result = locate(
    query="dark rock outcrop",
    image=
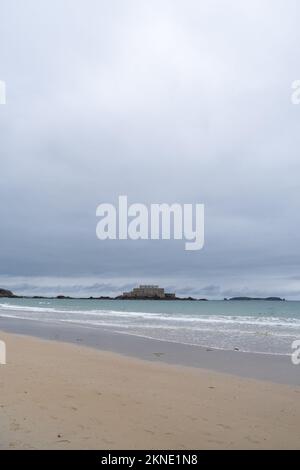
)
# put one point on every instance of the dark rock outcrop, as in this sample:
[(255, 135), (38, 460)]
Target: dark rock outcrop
[(277, 299), (6, 293), (165, 299)]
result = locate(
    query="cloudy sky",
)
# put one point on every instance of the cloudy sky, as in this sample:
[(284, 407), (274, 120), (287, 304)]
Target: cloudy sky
[(164, 101)]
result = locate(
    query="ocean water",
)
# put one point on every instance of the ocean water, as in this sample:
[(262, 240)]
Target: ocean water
[(253, 326)]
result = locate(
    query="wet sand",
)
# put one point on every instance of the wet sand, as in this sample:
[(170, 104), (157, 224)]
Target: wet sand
[(278, 369)]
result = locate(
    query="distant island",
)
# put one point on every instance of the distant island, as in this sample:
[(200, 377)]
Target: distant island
[(6, 293), (143, 292), (272, 299), (152, 292)]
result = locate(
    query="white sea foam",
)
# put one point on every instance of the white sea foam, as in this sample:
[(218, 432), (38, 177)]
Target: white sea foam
[(167, 317), (218, 325)]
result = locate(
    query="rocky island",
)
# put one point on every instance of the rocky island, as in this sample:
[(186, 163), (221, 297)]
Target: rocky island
[(143, 292), (272, 299), (6, 293)]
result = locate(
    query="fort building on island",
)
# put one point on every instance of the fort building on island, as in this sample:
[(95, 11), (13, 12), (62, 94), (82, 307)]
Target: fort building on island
[(148, 292)]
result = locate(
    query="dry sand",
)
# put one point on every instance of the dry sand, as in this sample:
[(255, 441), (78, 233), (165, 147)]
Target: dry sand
[(61, 396)]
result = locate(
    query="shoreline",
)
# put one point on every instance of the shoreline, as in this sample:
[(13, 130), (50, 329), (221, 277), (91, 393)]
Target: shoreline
[(167, 297), (268, 367), (57, 395)]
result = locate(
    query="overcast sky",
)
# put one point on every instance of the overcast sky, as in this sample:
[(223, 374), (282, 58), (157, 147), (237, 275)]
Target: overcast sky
[(164, 101)]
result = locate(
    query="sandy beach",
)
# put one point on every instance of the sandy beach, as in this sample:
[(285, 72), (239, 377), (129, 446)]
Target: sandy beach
[(62, 396)]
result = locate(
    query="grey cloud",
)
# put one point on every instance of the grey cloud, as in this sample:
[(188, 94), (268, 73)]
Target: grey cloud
[(165, 102)]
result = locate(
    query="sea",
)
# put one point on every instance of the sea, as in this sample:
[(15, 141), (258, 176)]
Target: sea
[(268, 327)]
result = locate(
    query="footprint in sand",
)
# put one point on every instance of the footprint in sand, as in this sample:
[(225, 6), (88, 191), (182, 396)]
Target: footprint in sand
[(158, 354)]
